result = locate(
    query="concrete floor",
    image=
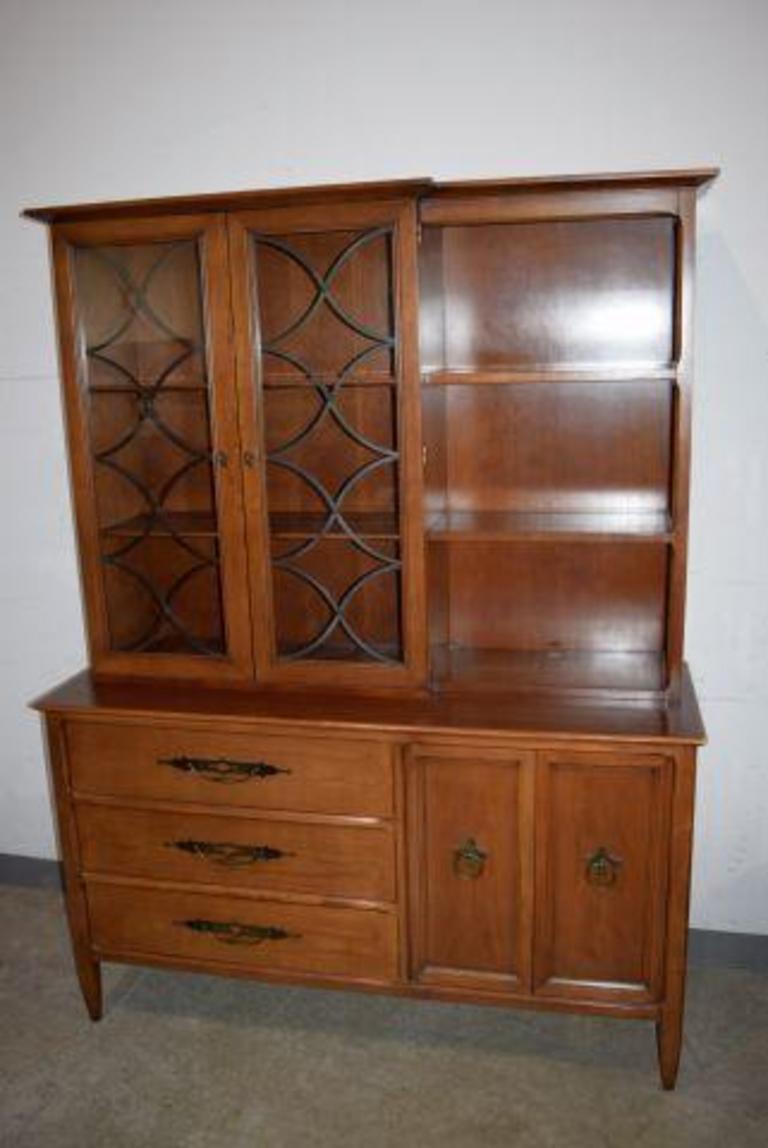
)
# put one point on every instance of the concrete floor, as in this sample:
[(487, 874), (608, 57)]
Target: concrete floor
[(183, 1061)]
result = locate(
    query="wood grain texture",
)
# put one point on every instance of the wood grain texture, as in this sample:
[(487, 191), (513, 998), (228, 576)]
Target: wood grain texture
[(504, 815), (470, 927), (335, 941), (601, 939), (321, 776), (210, 234), (240, 200), (285, 855), (476, 714), (670, 1026), (287, 614), (595, 291), (87, 965)]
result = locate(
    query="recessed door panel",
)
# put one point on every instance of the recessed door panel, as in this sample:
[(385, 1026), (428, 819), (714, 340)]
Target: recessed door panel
[(470, 854), (602, 825)]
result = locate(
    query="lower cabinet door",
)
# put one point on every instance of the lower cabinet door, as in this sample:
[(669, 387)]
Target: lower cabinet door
[(470, 860), (602, 829)]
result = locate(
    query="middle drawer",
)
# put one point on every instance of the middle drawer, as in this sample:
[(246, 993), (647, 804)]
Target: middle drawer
[(266, 853)]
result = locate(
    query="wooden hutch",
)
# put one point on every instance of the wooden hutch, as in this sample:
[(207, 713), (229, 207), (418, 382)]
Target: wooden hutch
[(382, 504)]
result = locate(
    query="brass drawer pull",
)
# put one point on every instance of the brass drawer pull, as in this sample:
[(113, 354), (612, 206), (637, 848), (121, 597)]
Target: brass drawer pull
[(469, 860), (222, 768), (602, 868), (227, 853), (235, 933)]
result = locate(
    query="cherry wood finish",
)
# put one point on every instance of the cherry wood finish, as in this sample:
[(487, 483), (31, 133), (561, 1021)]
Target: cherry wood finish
[(86, 964), (88, 433), (489, 797), (602, 830), (559, 292), (471, 850), (518, 715), (242, 200), (317, 938), (384, 407), (282, 855), (183, 765)]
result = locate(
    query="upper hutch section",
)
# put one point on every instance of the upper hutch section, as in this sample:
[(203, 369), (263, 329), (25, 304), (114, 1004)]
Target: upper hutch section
[(384, 434)]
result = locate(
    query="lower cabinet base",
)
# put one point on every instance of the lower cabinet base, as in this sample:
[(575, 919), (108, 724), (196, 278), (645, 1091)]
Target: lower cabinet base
[(525, 871)]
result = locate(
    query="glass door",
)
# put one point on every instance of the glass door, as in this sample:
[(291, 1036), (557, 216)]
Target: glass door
[(328, 375), (150, 386)]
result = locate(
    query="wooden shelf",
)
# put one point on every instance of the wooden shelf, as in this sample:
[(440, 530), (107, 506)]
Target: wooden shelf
[(633, 673), (288, 524), (540, 526), (148, 385), (175, 644), (189, 523), (272, 381), (551, 373), (346, 653), (369, 524)]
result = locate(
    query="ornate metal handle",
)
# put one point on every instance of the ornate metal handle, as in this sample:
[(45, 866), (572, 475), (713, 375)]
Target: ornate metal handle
[(602, 868), (230, 854), (235, 933), (222, 768), (469, 860)]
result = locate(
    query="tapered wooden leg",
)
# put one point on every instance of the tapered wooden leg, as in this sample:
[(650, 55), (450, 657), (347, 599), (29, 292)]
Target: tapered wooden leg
[(88, 968), (669, 1042), (89, 976), (669, 1030)]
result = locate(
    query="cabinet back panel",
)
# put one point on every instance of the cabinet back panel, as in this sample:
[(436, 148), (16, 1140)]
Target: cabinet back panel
[(552, 596), (560, 292), (288, 269), (559, 446), (299, 432), (157, 569), (332, 567)]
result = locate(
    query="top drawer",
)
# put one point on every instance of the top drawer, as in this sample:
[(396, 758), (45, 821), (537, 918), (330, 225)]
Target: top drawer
[(223, 768)]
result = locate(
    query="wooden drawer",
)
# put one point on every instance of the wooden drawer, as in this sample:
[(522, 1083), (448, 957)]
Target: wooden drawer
[(254, 933), (333, 860), (222, 768)]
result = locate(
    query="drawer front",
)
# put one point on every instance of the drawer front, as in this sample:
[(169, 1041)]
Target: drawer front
[(257, 934), (602, 858), (343, 861), (223, 768), (470, 854)]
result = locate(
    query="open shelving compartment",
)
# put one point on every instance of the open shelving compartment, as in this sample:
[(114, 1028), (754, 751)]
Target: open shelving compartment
[(550, 359)]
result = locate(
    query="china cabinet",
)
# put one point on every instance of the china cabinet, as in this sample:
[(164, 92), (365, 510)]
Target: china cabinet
[(381, 495)]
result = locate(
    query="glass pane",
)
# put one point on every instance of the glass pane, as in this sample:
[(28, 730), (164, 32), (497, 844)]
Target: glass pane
[(143, 346), (328, 371)]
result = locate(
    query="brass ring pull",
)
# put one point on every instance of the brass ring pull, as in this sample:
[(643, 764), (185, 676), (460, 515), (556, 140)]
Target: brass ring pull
[(602, 868), (229, 854), (469, 860), (235, 933), (222, 768)]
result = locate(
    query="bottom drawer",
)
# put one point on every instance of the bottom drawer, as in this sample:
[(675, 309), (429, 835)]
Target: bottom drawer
[(318, 939)]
